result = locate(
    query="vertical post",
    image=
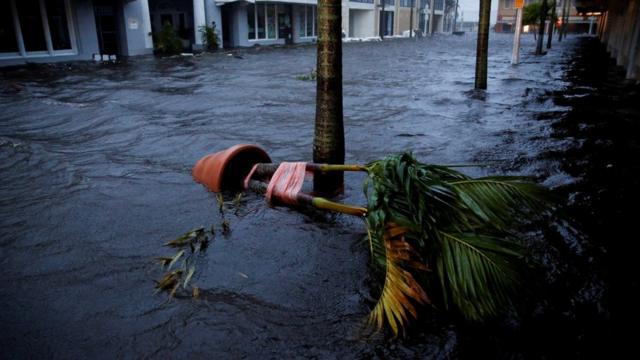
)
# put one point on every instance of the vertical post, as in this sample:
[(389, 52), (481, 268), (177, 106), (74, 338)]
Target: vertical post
[(565, 20), (455, 16), (146, 24), (411, 21), (482, 48), (328, 142), (432, 13), (543, 18), (198, 20), (634, 49), (564, 13), (383, 20), (515, 55), (590, 25), (551, 23)]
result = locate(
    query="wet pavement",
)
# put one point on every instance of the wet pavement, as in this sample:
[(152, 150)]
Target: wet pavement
[(95, 161)]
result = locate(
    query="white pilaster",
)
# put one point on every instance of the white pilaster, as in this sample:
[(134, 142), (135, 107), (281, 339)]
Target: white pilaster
[(199, 19), (146, 24)]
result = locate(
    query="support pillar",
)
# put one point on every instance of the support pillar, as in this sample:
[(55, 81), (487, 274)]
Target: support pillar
[(146, 24), (199, 19), (515, 55)]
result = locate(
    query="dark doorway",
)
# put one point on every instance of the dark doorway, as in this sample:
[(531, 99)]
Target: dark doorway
[(227, 15), (107, 27), (386, 22), (284, 23)]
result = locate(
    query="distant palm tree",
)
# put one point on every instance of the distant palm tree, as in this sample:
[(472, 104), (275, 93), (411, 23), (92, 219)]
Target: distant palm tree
[(328, 144), (482, 48)]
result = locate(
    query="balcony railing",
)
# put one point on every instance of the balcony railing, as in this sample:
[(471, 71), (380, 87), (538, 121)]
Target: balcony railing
[(363, 1)]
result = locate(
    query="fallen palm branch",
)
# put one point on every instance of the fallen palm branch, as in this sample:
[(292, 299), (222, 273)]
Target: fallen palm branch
[(438, 236)]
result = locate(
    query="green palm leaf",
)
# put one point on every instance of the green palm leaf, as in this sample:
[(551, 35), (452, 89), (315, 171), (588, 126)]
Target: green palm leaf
[(458, 224)]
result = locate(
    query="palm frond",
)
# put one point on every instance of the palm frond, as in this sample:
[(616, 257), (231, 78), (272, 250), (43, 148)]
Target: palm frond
[(459, 224), (400, 290), (497, 200), (477, 273)]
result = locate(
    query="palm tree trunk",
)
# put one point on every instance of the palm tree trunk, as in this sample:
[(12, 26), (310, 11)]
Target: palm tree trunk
[(328, 143), (543, 18), (482, 48)]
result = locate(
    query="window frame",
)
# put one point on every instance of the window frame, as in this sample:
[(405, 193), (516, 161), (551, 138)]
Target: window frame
[(305, 16), (23, 53), (266, 22)]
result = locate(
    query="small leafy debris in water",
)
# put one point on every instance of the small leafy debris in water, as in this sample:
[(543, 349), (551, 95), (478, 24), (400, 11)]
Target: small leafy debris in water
[(186, 238), (164, 261), (175, 258), (192, 269), (243, 275), (313, 75), (220, 201), (195, 292), (226, 227), (237, 199), (197, 241), (169, 280)]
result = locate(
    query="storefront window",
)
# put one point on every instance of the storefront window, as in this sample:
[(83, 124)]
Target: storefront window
[(260, 16), (31, 24), (58, 26), (271, 21), (251, 20), (8, 41), (35, 28), (308, 21), (265, 19)]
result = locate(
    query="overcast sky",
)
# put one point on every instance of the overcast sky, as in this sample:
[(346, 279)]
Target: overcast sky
[(470, 9)]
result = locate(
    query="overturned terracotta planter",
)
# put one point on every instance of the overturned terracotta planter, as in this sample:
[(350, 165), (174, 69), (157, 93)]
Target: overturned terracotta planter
[(227, 169)]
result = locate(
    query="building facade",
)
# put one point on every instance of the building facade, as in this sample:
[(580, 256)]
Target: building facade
[(507, 16), (66, 30)]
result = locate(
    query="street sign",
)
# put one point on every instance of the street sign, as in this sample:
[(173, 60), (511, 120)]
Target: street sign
[(519, 4)]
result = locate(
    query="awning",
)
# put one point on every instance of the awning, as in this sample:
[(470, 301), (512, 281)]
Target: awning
[(222, 2)]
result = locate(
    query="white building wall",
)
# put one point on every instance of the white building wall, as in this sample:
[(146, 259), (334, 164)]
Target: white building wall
[(361, 23)]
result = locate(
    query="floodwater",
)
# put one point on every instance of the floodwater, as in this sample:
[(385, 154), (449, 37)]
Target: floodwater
[(95, 162)]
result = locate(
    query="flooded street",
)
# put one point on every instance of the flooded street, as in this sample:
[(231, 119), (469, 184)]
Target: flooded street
[(96, 159)]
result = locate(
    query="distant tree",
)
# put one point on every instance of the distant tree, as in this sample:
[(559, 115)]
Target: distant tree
[(532, 13)]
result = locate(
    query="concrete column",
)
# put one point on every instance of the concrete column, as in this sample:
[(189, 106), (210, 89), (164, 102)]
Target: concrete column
[(431, 17), (515, 54), (345, 18), (396, 18), (632, 67), (146, 24), (213, 14), (199, 19)]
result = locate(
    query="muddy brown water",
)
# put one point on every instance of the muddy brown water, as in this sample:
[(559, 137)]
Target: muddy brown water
[(95, 162)]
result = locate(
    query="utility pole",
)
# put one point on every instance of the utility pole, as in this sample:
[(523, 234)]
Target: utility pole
[(482, 48), (551, 23), (328, 142), (543, 18), (515, 54)]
